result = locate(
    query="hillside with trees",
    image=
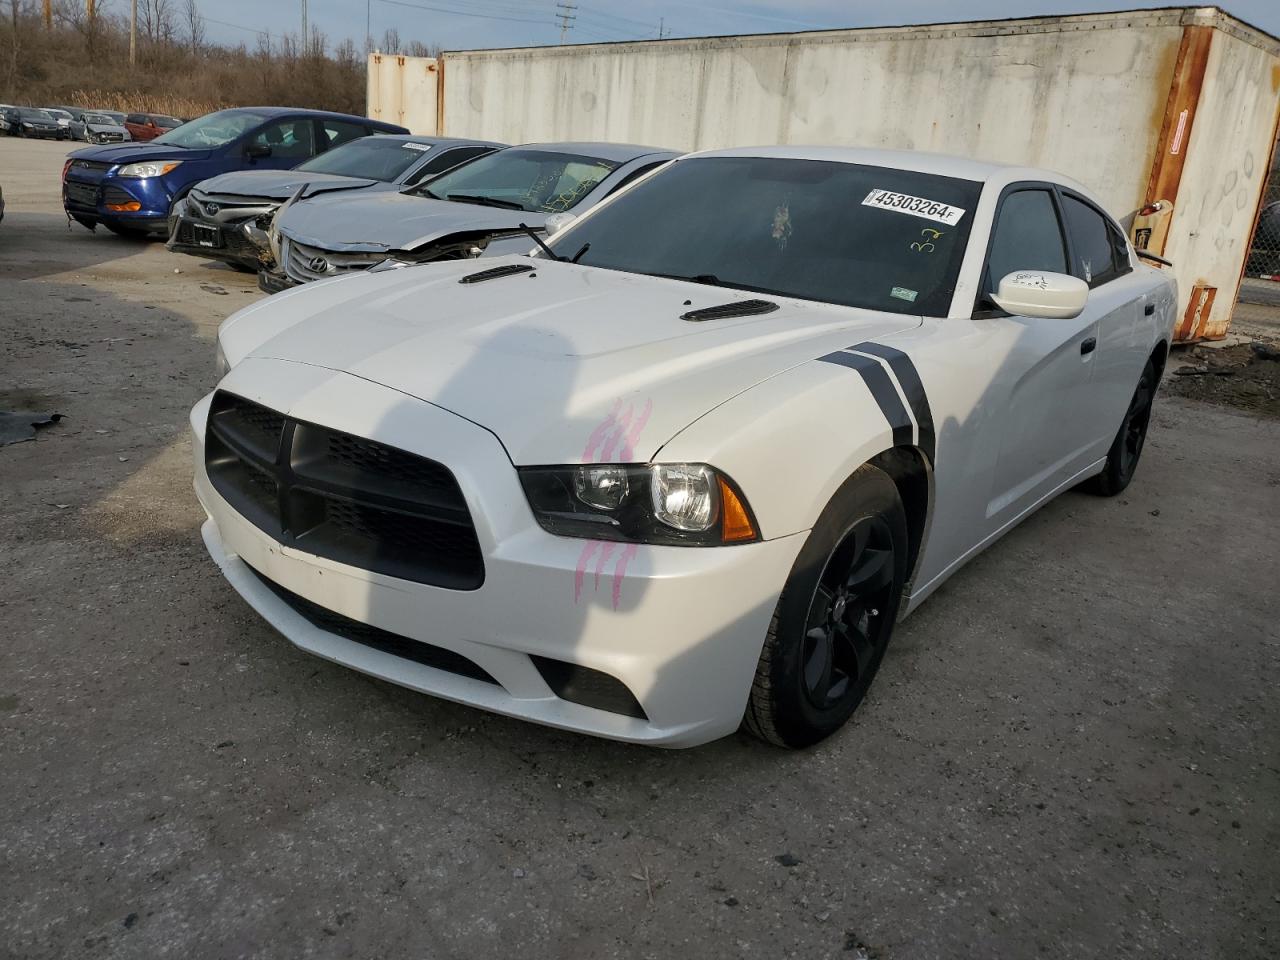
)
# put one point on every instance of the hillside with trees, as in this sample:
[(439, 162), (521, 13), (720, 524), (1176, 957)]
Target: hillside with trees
[(81, 57)]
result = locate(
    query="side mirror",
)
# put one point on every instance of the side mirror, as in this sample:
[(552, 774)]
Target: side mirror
[(558, 221), (255, 150), (1039, 293)]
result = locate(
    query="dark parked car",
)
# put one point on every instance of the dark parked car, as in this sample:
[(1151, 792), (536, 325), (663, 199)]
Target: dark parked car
[(32, 122), (147, 126), (132, 188), (474, 209), (226, 218)]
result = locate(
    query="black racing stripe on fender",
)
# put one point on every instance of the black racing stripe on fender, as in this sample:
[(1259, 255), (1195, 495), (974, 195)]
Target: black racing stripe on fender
[(912, 388), (882, 391)]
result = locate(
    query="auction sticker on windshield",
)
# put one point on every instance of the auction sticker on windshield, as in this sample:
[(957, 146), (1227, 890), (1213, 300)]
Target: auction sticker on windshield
[(916, 206)]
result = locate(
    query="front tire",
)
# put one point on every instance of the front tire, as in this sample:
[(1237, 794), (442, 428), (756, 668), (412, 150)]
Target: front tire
[(1126, 448), (833, 622)]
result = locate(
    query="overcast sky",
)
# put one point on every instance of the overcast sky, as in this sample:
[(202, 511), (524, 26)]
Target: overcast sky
[(467, 24)]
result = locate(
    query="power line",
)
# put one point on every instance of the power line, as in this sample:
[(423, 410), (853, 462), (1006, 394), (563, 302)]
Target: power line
[(459, 13)]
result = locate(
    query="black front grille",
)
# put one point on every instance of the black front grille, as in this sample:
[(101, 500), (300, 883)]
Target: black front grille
[(342, 497), (89, 165), (82, 194), (375, 637)]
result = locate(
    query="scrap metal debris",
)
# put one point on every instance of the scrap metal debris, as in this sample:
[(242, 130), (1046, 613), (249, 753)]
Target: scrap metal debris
[(19, 425)]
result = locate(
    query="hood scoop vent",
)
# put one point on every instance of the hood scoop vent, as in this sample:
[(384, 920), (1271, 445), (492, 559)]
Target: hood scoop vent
[(493, 273), (725, 311)]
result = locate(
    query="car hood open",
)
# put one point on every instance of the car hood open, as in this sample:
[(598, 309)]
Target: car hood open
[(548, 360), (388, 221), (279, 184)]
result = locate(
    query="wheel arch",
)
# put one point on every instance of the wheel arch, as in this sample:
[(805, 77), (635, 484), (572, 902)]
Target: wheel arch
[(912, 473)]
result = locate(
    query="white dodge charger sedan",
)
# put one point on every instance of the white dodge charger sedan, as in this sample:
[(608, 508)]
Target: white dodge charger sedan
[(684, 469)]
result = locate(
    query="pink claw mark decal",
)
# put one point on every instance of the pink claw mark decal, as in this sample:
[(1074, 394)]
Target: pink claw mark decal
[(620, 571), (605, 553), (601, 431), (633, 432), (617, 433), (580, 573)]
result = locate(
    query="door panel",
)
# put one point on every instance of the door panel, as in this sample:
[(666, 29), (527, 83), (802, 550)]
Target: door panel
[(1044, 436)]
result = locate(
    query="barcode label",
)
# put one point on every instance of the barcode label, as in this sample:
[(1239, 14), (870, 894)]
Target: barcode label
[(916, 206)]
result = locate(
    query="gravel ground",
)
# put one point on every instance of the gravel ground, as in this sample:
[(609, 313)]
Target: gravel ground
[(1071, 750)]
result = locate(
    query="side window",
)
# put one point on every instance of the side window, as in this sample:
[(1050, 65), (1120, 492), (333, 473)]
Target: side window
[(1027, 236), (447, 160), (1093, 242), (635, 174), (291, 139), (334, 133), (135, 118)]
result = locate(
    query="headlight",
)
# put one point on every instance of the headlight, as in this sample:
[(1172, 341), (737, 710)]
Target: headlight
[(220, 365), (152, 168), (684, 504)]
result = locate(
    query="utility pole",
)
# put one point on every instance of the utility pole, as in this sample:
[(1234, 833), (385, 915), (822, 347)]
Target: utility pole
[(48, 14), (567, 15), (662, 32), (133, 33), (89, 9), (305, 35)]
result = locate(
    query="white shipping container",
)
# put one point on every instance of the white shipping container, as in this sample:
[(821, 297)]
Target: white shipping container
[(1179, 105)]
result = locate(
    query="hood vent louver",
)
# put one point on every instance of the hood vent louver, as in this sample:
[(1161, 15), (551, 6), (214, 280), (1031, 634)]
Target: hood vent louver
[(724, 311), (493, 273)]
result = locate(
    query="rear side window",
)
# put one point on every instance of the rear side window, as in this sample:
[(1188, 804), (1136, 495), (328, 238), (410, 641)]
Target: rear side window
[(447, 160), (135, 118), (1027, 237), (1099, 255), (335, 132)]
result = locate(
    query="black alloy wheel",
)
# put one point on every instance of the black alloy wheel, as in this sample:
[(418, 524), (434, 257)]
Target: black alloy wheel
[(1126, 448), (846, 631), (835, 616)]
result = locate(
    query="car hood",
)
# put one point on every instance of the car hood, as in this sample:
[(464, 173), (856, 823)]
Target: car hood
[(106, 128), (393, 221), (138, 152), (279, 184), (553, 363)]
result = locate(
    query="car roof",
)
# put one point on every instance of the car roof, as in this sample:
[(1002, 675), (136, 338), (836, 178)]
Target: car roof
[(438, 141), (917, 161), (618, 152), (305, 112)]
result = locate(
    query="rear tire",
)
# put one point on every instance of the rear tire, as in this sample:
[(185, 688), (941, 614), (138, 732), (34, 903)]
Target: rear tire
[(833, 622), (1126, 448)]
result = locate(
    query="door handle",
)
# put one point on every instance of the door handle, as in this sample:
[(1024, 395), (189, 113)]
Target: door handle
[(1149, 309), (1087, 345)]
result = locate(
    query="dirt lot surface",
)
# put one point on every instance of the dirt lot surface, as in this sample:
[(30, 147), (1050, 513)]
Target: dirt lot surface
[(1071, 751), (1246, 376)]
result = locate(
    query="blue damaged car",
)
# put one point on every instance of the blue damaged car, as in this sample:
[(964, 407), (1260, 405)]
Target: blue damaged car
[(131, 188)]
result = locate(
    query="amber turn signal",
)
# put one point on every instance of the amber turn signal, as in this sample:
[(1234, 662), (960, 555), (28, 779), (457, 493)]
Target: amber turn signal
[(735, 522), (131, 207)]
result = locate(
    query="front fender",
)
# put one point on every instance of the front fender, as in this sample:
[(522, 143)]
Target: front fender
[(789, 442)]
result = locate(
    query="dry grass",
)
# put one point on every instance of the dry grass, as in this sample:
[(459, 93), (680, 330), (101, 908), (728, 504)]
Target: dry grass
[(173, 106)]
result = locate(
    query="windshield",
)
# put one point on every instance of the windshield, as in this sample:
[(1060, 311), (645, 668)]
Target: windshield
[(59, 114), (167, 121), (116, 118), (538, 181), (100, 118), (211, 130), (860, 236), (28, 114), (378, 158)]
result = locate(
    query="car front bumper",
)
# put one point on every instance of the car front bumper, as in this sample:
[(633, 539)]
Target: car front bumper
[(681, 628), (227, 242)]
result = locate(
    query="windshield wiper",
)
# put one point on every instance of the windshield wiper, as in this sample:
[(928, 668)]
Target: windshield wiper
[(708, 278), (484, 201), (539, 241)]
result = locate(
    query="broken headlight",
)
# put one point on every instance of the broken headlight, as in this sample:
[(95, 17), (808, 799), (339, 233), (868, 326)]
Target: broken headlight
[(681, 504)]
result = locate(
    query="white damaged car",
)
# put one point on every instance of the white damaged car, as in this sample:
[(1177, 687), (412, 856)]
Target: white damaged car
[(684, 470)]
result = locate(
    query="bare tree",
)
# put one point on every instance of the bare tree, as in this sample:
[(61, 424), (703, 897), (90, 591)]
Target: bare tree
[(195, 25), (156, 17), (391, 41)]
